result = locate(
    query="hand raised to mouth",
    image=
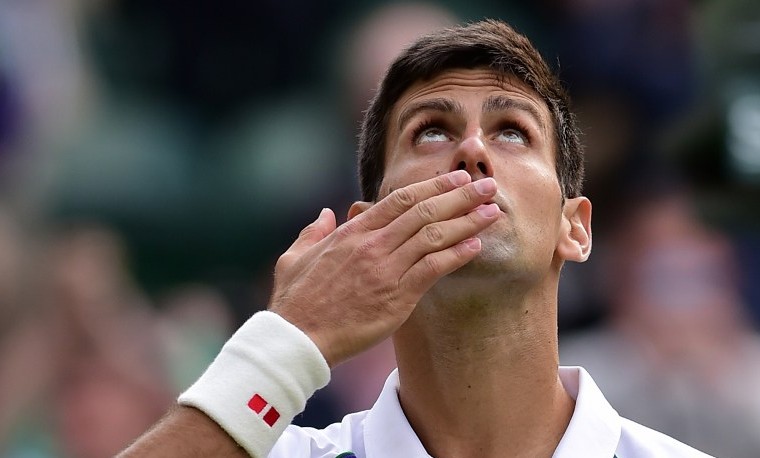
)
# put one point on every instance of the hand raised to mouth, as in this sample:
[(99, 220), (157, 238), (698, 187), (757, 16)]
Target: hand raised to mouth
[(351, 286)]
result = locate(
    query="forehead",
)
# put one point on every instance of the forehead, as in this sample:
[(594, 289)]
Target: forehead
[(472, 84)]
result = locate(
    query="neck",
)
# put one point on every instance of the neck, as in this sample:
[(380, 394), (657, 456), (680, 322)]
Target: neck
[(480, 377)]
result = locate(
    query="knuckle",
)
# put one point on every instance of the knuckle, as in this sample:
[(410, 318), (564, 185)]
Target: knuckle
[(433, 234), (345, 231), (426, 210), (404, 198), (385, 283), (372, 247), (441, 185), (389, 297), (433, 264), (469, 194), (367, 246), (474, 219)]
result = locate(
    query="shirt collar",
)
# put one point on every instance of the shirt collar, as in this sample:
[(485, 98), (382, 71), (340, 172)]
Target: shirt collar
[(387, 432), (594, 429)]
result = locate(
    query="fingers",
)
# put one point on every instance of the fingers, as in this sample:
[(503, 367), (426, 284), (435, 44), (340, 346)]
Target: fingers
[(428, 270), (314, 232), (428, 214), (441, 235), (401, 200)]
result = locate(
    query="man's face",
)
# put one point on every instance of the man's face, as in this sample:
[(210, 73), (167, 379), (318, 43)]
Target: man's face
[(468, 119)]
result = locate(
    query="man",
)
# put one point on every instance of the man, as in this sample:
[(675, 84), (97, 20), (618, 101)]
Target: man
[(471, 171)]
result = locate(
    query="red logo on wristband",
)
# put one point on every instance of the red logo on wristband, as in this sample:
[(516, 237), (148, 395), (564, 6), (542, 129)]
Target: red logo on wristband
[(259, 405)]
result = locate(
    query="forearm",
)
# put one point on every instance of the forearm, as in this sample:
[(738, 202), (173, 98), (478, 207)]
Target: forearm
[(184, 432)]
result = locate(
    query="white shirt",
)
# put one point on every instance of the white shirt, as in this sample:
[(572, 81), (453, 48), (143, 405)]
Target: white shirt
[(595, 430)]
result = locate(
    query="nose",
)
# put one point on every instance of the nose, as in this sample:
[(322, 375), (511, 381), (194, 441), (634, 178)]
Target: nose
[(472, 155)]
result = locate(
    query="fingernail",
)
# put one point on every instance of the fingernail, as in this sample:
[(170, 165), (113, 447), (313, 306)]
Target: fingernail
[(459, 178), (472, 244), (322, 213), (485, 186), (488, 210)]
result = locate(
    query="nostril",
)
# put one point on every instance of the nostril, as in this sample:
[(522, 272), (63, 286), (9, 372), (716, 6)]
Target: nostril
[(462, 166), (482, 168)]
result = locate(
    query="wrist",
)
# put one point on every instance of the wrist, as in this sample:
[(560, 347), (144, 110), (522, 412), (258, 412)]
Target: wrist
[(260, 380), (311, 328)]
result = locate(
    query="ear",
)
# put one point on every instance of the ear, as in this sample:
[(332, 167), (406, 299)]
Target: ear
[(575, 240), (357, 208)]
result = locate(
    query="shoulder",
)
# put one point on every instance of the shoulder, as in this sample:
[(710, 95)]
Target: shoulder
[(304, 442), (639, 441)]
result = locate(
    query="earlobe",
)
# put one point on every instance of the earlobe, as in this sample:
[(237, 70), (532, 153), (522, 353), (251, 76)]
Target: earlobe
[(357, 208), (575, 240)]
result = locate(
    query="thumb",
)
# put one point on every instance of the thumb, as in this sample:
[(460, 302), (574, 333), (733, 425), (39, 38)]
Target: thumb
[(316, 231)]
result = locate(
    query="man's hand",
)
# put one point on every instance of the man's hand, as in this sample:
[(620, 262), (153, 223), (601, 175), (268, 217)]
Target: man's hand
[(350, 287)]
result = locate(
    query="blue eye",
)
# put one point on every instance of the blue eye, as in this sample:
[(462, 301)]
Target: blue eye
[(432, 135), (511, 136)]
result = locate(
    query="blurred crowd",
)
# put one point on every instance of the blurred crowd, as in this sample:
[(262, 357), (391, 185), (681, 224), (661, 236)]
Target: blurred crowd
[(157, 156)]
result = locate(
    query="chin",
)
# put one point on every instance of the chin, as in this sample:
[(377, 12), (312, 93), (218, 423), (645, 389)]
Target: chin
[(490, 261), (498, 260), (499, 250)]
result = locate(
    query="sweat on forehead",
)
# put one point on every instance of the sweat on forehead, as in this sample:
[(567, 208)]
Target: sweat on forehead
[(488, 44)]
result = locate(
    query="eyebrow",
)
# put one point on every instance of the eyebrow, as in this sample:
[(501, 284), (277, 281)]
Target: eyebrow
[(492, 104), (438, 104), (502, 103)]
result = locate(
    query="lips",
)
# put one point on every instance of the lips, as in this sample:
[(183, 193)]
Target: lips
[(499, 200)]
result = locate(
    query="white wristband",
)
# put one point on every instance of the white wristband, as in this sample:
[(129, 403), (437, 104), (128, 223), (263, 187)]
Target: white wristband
[(260, 381)]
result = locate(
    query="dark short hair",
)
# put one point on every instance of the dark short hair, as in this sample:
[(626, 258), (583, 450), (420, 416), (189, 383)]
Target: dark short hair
[(488, 43)]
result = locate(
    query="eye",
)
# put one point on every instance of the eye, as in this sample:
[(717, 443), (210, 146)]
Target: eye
[(511, 136), (431, 135)]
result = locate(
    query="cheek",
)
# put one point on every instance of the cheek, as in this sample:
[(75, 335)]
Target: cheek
[(538, 197), (541, 179)]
